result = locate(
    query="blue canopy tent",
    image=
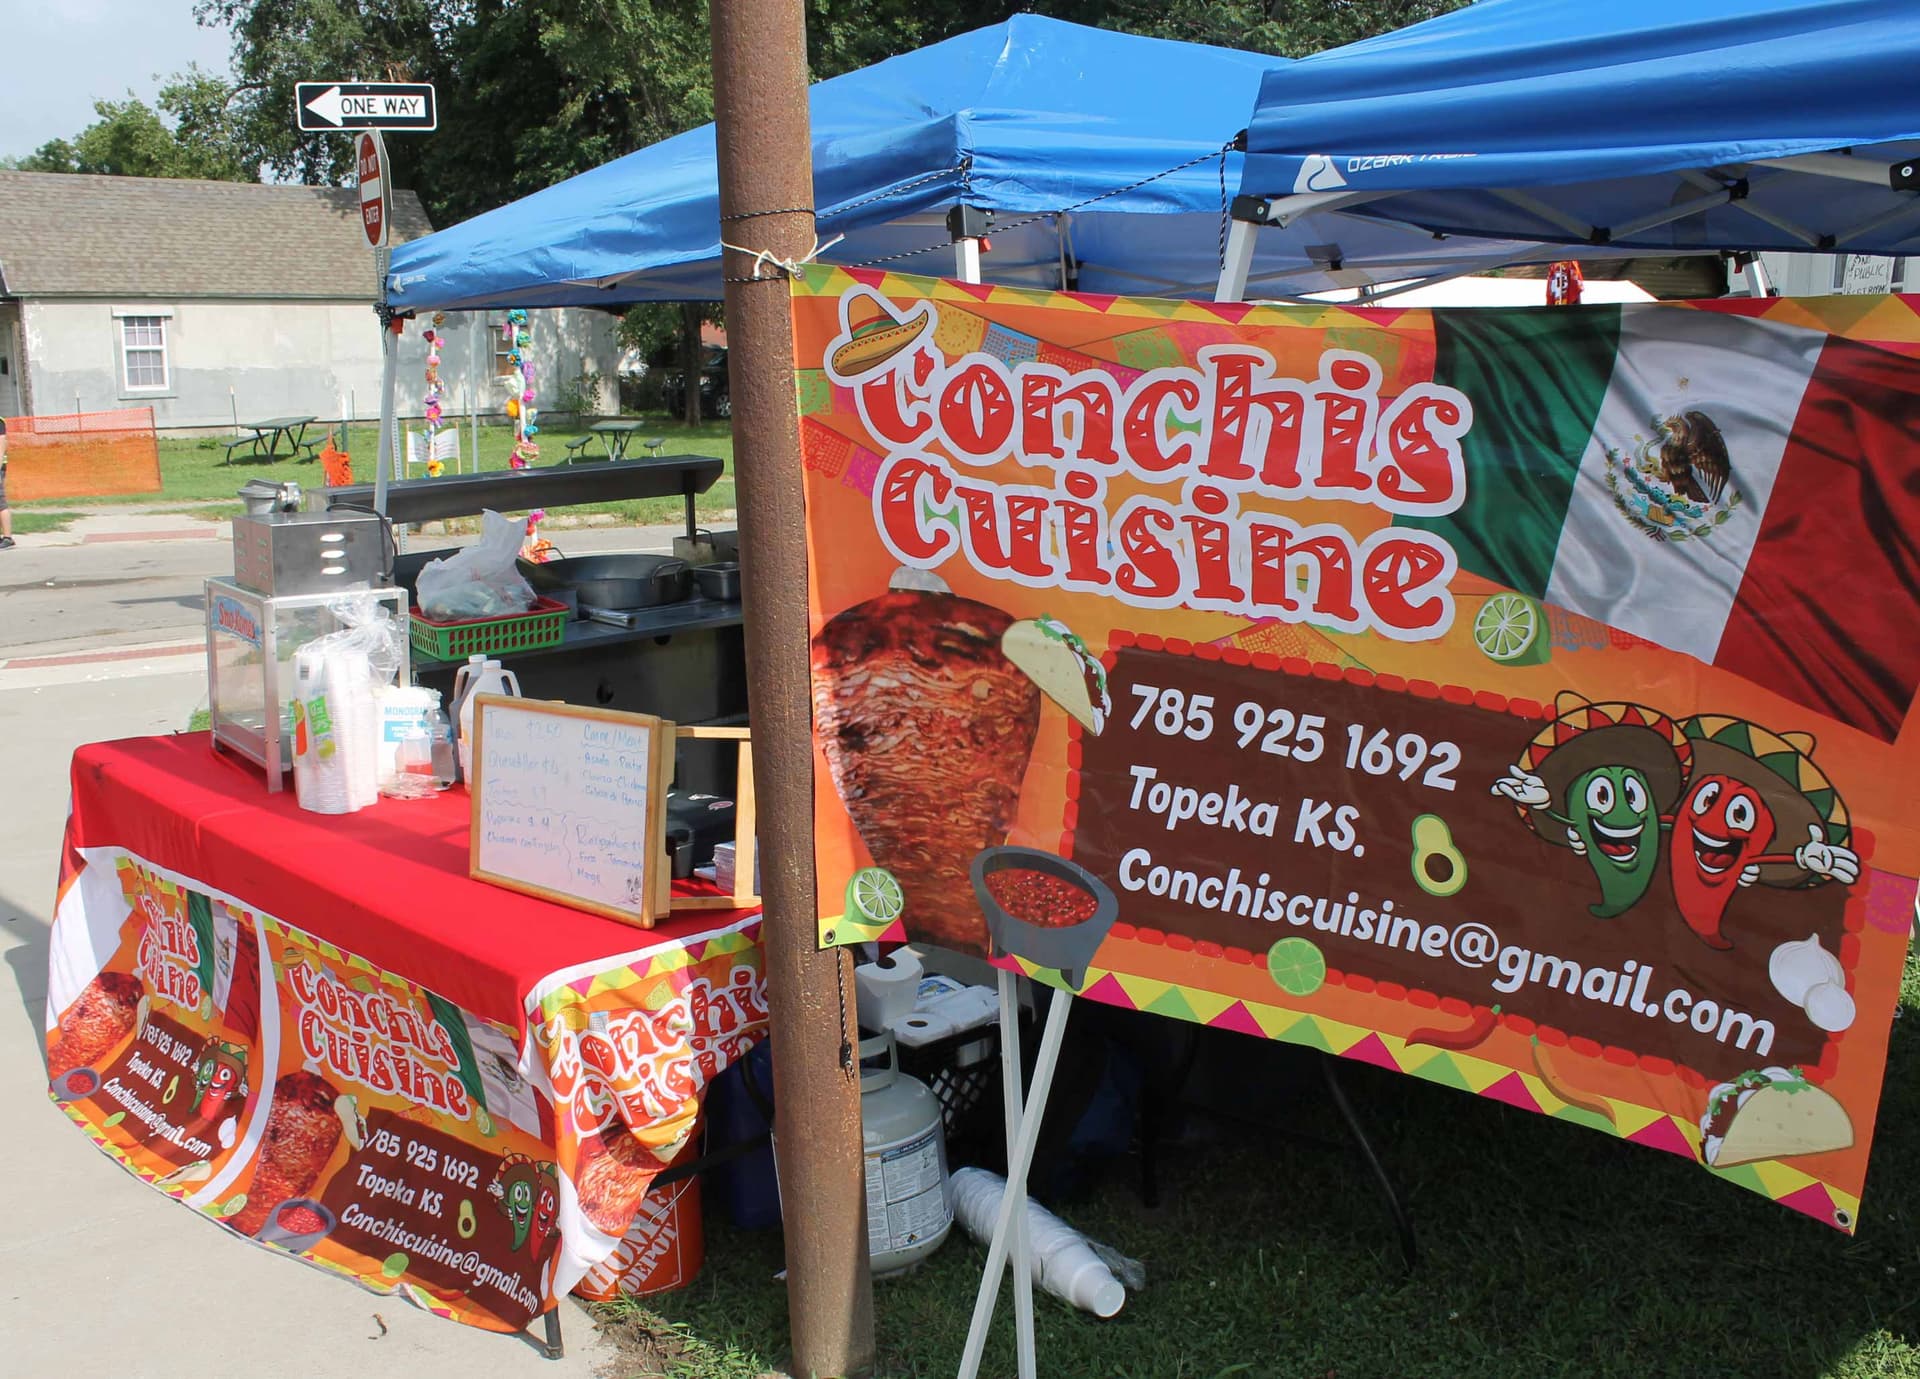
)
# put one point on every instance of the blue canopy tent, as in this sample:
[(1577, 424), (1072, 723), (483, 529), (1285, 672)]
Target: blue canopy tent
[(1028, 120), (1640, 124)]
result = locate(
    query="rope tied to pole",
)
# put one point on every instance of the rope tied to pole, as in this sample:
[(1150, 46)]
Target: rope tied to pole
[(775, 266)]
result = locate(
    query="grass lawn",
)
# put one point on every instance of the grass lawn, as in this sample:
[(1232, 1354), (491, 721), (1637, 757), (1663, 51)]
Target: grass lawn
[(1548, 1250), (191, 470), (37, 519)]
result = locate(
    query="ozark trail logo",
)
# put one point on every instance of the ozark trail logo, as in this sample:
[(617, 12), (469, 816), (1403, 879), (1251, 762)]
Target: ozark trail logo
[(1677, 484)]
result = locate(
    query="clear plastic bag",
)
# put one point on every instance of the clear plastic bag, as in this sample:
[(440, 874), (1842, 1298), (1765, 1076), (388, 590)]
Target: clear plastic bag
[(482, 580)]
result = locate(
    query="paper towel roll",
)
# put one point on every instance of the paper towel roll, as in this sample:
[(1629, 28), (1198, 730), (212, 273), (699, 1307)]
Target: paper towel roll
[(885, 990)]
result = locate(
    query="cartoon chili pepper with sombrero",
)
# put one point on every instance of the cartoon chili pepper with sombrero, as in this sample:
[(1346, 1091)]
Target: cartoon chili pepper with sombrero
[(219, 1074), (1750, 794), (527, 1192), (1608, 775)]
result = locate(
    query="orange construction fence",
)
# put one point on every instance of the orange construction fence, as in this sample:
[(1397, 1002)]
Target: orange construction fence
[(82, 455)]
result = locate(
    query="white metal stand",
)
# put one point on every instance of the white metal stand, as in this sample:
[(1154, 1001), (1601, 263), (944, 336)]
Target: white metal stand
[(1021, 1249), (1023, 1129)]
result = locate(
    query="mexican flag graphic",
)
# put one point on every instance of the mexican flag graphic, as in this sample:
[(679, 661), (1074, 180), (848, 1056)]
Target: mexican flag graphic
[(1739, 490)]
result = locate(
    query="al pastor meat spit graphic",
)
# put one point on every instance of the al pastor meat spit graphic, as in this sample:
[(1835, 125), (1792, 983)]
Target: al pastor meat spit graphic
[(927, 728), (928, 705)]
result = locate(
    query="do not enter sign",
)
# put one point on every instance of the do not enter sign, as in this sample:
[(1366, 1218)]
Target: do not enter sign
[(372, 166)]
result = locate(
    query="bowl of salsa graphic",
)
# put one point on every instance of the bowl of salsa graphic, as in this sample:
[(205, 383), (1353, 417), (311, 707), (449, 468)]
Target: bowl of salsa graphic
[(1043, 909), (297, 1224)]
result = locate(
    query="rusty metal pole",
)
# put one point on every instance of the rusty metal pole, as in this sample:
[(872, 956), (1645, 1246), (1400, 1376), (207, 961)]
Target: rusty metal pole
[(766, 202)]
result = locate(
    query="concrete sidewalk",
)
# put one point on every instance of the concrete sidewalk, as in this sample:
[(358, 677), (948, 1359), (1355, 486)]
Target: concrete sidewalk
[(100, 1274)]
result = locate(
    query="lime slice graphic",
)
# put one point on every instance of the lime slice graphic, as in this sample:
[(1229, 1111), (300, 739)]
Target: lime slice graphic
[(1297, 966), (395, 1265), (235, 1204), (1508, 628), (874, 896)]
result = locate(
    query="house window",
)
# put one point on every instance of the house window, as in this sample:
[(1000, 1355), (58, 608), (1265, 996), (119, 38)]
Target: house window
[(502, 346), (143, 352)]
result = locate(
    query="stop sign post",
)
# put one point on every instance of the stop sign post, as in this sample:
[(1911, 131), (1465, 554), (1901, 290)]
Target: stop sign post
[(372, 166)]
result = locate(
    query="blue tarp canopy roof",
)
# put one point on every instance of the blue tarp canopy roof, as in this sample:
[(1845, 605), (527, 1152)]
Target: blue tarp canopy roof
[(1028, 117), (1665, 125)]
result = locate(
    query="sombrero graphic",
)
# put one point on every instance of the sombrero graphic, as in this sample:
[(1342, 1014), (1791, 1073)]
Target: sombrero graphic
[(874, 335), (1780, 767), (1584, 735)]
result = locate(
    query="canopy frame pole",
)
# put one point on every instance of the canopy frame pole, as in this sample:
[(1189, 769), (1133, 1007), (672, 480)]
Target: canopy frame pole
[(1667, 216), (1465, 270), (1878, 222), (966, 263), (389, 382), (1757, 284), (1232, 286), (966, 259), (1282, 211), (1766, 217), (1533, 205), (1847, 167), (476, 322)]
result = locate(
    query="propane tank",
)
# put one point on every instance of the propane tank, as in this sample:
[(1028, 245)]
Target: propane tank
[(909, 1202)]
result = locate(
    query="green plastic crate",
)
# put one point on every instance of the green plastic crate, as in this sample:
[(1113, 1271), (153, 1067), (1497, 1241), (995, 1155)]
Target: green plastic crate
[(541, 626)]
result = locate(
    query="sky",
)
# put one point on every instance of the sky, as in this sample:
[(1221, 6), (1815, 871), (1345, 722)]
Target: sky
[(63, 55)]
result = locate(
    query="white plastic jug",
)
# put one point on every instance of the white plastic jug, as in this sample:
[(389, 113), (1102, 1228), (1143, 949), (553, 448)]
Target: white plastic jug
[(480, 675)]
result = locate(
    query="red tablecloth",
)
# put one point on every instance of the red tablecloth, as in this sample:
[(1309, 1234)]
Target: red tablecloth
[(388, 883)]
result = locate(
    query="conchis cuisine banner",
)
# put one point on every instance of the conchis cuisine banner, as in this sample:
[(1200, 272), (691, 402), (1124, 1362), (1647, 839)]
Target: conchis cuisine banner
[(313, 1103), (1519, 699)]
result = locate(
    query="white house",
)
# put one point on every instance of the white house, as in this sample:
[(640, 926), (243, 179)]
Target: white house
[(211, 300)]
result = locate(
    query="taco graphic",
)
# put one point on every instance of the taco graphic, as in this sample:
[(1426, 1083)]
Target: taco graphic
[(1756, 810), (1061, 665), (1771, 1113), (1603, 779)]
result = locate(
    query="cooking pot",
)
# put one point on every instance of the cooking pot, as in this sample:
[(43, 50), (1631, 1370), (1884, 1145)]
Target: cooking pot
[(617, 579)]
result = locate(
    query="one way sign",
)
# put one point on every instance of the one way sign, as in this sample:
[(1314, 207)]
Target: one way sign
[(329, 106)]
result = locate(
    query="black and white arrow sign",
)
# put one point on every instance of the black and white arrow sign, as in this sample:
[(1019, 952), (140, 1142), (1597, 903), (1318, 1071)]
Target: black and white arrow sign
[(329, 106)]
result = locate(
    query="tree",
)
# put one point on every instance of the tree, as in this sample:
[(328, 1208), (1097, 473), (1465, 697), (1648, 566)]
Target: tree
[(190, 135), (535, 91)]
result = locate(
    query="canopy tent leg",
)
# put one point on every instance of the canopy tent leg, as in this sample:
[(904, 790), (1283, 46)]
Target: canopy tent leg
[(1239, 262), (476, 320), (966, 259), (1757, 284), (966, 264), (1018, 1163), (389, 381)]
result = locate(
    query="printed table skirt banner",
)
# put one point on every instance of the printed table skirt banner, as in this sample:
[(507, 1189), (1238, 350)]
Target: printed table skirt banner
[(1517, 699), (309, 1101)]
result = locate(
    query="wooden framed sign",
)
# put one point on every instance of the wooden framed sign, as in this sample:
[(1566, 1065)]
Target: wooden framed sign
[(569, 804), (745, 820)]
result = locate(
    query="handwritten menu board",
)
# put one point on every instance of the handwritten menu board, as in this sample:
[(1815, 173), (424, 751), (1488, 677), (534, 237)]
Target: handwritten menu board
[(569, 803)]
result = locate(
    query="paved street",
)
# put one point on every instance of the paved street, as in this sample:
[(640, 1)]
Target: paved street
[(84, 1229)]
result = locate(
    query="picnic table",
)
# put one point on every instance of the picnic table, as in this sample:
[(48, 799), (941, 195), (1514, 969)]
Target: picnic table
[(263, 438), (615, 437)]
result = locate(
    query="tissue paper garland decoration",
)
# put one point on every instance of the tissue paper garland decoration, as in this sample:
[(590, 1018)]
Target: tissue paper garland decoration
[(515, 335), (433, 400)]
